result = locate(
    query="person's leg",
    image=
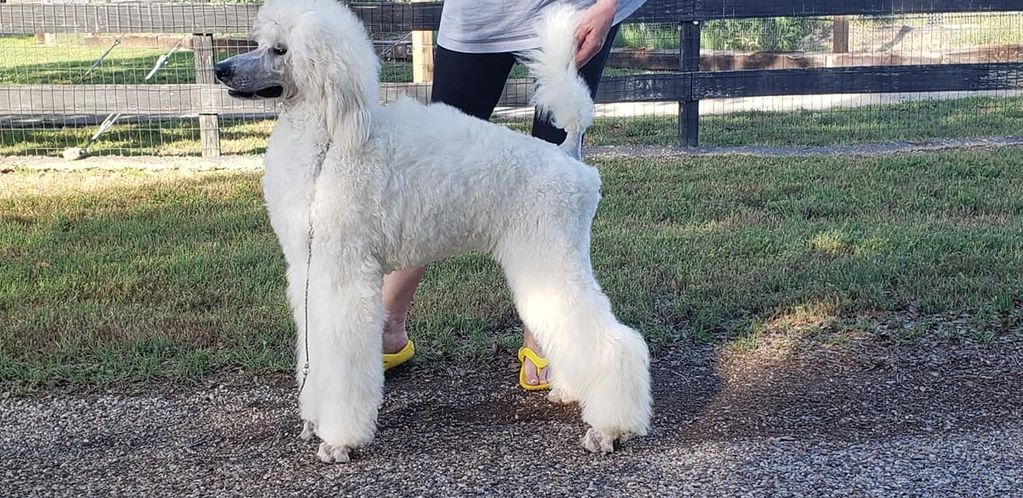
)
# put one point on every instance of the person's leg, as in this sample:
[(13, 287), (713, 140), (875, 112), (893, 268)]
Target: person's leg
[(591, 73), (544, 130), (473, 84), (399, 286)]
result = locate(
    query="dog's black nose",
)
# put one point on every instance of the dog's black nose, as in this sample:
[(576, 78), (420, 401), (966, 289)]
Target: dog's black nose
[(222, 71)]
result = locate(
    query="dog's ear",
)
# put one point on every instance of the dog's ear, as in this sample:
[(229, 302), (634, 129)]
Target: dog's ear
[(336, 68)]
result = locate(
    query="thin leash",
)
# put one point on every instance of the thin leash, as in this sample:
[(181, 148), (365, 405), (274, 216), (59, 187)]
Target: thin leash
[(308, 265), (305, 305)]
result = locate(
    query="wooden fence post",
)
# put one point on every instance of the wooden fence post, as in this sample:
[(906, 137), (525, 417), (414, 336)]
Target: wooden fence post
[(422, 55), (840, 35), (209, 124), (689, 61)]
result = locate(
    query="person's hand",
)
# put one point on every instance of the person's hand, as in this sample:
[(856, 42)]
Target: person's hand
[(593, 27)]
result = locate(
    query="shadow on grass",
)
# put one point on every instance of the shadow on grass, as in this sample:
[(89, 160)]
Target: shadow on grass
[(795, 389)]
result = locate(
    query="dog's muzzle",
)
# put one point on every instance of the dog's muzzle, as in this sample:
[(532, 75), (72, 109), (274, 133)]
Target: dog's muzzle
[(224, 73)]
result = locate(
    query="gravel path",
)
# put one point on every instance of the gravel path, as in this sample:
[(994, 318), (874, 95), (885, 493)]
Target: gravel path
[(880, 420)]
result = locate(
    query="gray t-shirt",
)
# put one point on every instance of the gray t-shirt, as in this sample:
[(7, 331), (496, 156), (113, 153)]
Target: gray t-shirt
[(488, 26)]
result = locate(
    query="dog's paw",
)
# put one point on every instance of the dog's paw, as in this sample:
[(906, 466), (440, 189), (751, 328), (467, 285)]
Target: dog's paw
[(559, 396), (308, 430), (329, 453), (598, 442)]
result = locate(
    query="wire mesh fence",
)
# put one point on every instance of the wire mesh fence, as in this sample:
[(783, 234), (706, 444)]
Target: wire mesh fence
[(839, 118), (72, 66)]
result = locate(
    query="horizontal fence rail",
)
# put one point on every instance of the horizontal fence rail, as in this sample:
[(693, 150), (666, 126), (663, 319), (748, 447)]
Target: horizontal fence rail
[(686, 84), (129, 99), (865, 79), (681, 86)]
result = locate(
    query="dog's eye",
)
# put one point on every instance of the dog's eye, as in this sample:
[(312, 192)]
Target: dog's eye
[(280, 50)]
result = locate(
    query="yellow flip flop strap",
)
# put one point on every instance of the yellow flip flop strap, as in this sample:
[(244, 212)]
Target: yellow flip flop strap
[(537, 360)]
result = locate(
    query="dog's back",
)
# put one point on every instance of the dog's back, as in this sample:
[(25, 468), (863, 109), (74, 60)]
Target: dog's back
[(463, 176)]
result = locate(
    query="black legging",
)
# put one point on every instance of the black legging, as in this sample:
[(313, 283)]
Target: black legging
[(473, 82)]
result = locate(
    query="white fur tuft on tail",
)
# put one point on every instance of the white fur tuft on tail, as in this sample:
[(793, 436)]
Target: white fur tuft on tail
[(559, 91)]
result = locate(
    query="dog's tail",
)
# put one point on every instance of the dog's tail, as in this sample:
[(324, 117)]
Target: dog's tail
[(559, 91)]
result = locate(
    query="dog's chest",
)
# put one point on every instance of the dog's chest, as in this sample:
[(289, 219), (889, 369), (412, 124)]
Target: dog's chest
[(294, 149), (288, 182)]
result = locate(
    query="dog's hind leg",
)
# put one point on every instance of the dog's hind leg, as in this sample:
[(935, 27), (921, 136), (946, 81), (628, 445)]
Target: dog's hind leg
[(594, 359), (344, 387)]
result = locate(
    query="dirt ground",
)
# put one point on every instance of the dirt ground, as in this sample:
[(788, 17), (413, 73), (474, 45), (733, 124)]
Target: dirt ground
[(866, 419)]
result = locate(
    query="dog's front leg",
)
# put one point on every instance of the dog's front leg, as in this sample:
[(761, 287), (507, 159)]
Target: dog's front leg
[(344, 387), (293, 242)]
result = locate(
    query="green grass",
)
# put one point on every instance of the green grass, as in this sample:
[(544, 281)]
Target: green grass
[(67, 62), (134, 276)]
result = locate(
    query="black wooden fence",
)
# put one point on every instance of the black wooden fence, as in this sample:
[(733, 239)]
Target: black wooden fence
[(687, 86)]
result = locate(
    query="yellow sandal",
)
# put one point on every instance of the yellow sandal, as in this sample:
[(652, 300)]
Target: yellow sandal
[(394, 359), (537, 360)]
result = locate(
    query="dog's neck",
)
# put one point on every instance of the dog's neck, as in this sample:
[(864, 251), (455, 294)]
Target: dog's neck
[(300, 132), (347, 124), (303, 116)]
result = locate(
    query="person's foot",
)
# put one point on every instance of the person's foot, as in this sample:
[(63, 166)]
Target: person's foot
[(534, 376), (395, 336)]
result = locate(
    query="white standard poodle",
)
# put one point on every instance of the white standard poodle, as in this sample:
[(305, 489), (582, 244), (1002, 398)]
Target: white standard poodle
[(356, 190)]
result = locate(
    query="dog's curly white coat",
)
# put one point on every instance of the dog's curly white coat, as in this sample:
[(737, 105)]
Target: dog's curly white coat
[(406, 184)]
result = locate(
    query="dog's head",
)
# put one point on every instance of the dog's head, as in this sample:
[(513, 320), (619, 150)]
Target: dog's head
[(310, 51)]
